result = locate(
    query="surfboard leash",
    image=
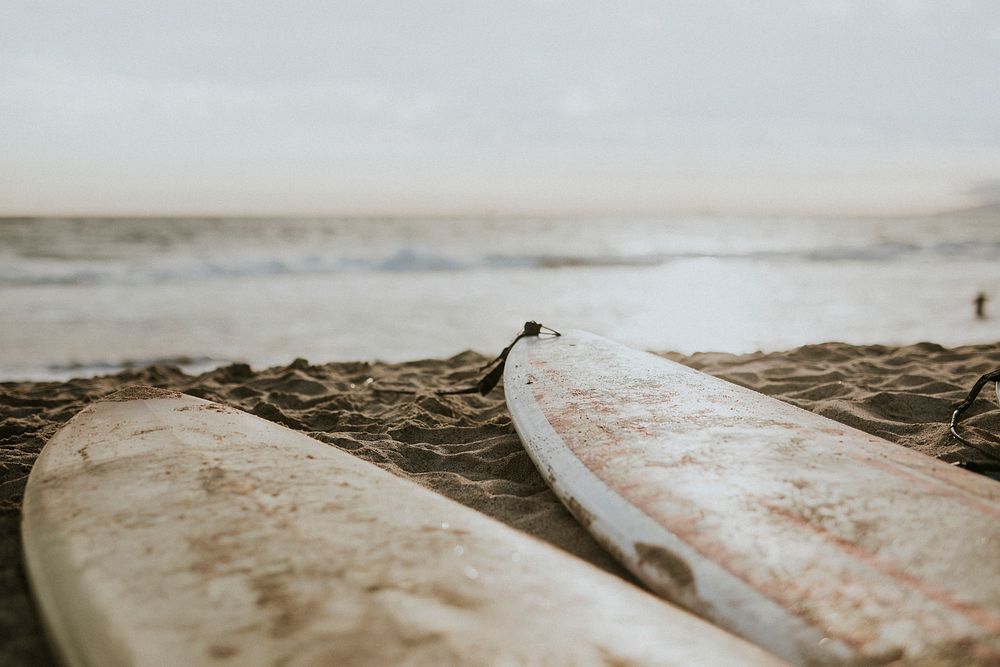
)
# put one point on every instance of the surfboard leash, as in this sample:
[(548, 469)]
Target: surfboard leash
[(987, 450), (490, 380)]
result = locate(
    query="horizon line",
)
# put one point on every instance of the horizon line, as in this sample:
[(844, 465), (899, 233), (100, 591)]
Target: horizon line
[(443, 214)]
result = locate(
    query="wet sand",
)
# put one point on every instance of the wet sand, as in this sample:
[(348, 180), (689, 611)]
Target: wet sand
[(465, 448)]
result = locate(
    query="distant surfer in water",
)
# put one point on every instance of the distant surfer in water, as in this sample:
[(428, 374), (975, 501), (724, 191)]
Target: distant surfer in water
[(980, 303)]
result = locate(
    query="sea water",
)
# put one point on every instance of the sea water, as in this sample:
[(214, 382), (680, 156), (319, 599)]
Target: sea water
[(88, 296)]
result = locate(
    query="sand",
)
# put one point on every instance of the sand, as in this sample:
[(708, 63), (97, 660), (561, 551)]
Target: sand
[(465, 448)]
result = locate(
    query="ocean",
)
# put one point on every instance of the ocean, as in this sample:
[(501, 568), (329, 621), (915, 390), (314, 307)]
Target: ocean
[(88, 296)]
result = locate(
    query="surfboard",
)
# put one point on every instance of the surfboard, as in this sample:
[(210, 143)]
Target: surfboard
[(161, 529), (817, 541)]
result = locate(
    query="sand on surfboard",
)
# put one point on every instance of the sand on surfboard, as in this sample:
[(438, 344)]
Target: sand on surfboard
[(465, 448)]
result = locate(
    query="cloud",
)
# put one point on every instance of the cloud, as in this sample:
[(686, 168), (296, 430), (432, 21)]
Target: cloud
[(372, 97), (986, 192), (63, 94), (911, 8), (905, 9), (834, 8)]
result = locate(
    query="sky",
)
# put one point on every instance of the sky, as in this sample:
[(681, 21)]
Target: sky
[(502, 107)]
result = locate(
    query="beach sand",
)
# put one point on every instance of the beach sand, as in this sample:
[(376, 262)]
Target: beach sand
[(465, 447)]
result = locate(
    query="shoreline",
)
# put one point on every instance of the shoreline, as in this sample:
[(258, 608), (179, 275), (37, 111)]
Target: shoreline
[(464, 447)]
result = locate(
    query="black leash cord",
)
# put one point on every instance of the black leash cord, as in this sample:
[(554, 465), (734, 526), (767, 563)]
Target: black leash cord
[(993, 376), (490, 380)]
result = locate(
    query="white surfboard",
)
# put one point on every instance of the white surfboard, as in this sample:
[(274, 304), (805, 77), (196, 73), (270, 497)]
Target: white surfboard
[(161, 529), (810, 538)]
